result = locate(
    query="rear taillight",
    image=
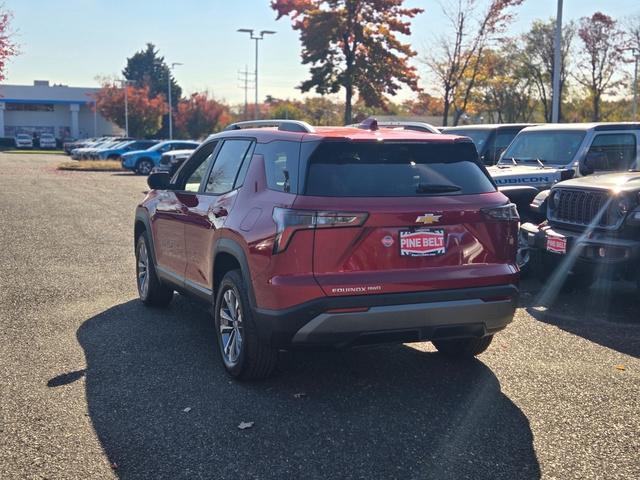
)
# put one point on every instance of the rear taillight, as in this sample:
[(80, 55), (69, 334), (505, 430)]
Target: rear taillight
[(505, 213), (289, 221)]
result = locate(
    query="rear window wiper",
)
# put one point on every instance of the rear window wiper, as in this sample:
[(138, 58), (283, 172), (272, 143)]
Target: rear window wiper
[(436, 188)]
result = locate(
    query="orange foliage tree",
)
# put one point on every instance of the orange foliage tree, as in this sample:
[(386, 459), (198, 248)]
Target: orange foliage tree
[(145, 114), (199, 115)]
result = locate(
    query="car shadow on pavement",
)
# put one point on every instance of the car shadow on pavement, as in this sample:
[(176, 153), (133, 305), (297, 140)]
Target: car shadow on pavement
[(162, 407), (606, 314)]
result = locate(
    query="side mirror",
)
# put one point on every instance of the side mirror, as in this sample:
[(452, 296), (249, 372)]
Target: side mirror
[(159, 181), (590, 163)]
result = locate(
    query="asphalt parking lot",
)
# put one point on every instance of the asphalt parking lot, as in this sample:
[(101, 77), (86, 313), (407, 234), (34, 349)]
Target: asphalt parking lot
[(94, 385)]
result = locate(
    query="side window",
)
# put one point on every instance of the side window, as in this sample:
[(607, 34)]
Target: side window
[(503, 139), (281, 164), (195, 169), (615, 151), (226, 166)]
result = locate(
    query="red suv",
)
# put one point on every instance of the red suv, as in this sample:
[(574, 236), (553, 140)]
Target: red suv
[(331, 236)]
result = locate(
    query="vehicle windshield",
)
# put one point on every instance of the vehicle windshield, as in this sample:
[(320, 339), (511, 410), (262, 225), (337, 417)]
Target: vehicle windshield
[(119, 144), (23, 136), (46, 135), (478, 137), (349, 169), (543, 146), (159, 146)]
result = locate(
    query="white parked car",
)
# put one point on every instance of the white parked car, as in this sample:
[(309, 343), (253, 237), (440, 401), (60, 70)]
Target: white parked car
[(24, 140), (47, 140)]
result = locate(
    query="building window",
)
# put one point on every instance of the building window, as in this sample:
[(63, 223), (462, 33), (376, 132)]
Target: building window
[(29, 107)]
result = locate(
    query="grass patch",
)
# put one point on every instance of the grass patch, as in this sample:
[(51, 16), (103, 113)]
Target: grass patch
[(35, 152), (92, 166)]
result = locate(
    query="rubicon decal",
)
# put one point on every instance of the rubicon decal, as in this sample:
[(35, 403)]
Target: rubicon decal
[(423, 243), (518, 180)]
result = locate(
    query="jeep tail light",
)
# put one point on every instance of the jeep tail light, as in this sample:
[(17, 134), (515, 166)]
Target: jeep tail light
[(289, 221), (505, 213)]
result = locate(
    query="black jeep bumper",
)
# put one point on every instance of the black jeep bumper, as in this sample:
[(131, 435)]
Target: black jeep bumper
[(601, 253), (400, 317)]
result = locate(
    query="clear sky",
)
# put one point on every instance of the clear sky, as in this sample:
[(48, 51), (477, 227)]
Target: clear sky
[(73, 41)]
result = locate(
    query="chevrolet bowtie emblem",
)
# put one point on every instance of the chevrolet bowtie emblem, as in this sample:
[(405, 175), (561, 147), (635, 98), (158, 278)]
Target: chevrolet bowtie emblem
[(428, 218)]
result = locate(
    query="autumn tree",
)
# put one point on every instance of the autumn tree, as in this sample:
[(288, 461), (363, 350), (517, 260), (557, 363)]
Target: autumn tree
[(200, 115), (8, 48), (353, 45), (600, 56), (323, 111), (459, 52), (504, 91), (424, 105), (145, 114), (538, 50)]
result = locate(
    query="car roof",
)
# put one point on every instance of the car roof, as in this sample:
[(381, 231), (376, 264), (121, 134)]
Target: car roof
[(268, 134), (488, 126), (599, 126)]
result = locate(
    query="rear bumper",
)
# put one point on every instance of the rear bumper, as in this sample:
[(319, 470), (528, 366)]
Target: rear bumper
[(404, 317)]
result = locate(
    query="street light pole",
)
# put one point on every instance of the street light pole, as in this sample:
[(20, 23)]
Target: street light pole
[(634, 115), (169, 98), (126, 109), (258, 37), (557, 65), (125, 86)]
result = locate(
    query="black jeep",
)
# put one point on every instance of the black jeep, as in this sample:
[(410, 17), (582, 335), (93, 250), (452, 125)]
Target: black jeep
[(592, 230)]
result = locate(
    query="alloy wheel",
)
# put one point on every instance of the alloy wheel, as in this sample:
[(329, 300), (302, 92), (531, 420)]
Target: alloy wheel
[(143, 270), (145, 167), (231, 328)]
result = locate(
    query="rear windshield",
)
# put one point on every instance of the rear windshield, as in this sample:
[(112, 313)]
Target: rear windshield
[(349, 169)]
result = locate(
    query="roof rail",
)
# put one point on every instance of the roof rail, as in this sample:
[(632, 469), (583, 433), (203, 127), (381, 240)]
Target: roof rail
[(372, 123), (284, 125)]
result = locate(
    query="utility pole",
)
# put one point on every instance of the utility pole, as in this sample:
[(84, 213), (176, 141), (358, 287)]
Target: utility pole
[(169, 70), (243, 76), (557, 66), (257, 37)]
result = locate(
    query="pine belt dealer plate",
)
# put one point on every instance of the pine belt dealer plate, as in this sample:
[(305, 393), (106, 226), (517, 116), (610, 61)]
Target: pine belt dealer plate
[(557, 245), (427, 242)]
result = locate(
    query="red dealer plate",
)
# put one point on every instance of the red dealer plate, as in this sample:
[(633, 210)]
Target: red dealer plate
[(423, 243), (557, 244)]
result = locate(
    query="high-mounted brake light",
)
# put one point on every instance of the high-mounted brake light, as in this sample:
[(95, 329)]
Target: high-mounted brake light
[(289, 221), (507, 212)]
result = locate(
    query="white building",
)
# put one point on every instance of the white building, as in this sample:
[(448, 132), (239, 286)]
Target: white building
[(65, 111)]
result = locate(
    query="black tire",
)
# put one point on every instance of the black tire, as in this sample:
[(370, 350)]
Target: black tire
[(113, 156), (144, 166), (463, 347), (249, 359), (153, 293)]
